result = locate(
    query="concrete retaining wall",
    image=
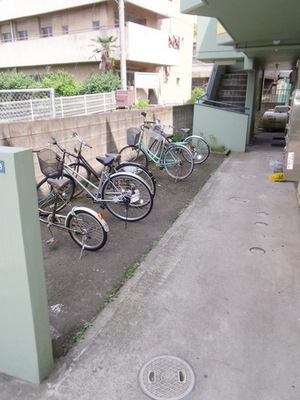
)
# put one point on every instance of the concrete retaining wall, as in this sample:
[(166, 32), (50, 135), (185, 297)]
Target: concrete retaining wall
[(105, 132)]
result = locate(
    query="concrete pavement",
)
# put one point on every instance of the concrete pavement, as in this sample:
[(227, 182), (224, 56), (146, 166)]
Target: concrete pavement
[(219, 294)]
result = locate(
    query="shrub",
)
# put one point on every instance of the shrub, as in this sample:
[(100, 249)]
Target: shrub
[(101, 83), (142, 103), (196, 93), (16, 80), (62, 82)]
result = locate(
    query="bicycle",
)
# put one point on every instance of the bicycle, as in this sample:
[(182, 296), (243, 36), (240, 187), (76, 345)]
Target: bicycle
[(84, 168), (177, 159), (87, 228), (124, 194), (198, 146)]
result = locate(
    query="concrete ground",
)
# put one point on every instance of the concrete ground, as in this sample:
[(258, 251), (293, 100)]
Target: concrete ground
[(212, 313)]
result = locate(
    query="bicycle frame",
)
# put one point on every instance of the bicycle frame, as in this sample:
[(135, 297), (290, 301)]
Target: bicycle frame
[(157, 159)]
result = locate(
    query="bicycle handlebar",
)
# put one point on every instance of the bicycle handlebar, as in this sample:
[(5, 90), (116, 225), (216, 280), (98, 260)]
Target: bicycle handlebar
[(75, 135)]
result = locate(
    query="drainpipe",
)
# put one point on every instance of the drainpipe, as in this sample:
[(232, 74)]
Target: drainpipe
[(122, 44)]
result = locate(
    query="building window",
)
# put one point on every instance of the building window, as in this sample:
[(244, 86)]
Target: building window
[(46, 32), (96, 25), (6, 37), (22, 35), (65, 29)]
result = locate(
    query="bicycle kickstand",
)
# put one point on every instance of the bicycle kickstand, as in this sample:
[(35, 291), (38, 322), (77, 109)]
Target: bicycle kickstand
[(82, 248), (52, 239)]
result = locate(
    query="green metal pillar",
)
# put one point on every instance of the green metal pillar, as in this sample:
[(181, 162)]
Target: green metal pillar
[(25, 339)]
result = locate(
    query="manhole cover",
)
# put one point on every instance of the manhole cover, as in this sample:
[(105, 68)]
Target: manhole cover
[(166, 378)]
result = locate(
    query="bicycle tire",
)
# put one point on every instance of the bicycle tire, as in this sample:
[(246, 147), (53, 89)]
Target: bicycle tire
[(155, 147), (178, 162), (199, 148), (127, 196), (83, 171), (46, 196), (86, 230), (135, 154), (141, 171)]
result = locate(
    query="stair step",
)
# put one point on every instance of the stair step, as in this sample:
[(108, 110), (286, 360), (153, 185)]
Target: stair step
[(233, 82), (231, 93)]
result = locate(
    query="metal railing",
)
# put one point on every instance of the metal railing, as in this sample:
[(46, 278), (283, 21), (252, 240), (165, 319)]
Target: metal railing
[(26, 104), (276, 95), (36, 104)]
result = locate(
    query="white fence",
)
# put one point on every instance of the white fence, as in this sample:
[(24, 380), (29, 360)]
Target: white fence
[(37, 104)]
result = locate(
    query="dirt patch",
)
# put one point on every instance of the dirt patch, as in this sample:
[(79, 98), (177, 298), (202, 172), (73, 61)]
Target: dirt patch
[(79, 289)]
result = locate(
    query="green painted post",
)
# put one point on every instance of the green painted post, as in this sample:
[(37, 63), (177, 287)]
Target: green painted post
[(25, 339)]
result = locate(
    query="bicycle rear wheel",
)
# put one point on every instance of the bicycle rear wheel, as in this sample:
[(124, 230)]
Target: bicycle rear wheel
[(86, 230), (141, 171), (133, 153), (199, 148), (127, 196), (46, 195), (178, 162)]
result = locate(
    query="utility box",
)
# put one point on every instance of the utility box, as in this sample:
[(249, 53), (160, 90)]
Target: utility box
[(124, 98)]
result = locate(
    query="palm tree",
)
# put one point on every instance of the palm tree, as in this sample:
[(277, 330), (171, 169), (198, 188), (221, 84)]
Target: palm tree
[(106, 45)]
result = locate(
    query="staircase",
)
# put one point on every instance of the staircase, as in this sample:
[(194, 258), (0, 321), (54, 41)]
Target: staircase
[(232, 89)]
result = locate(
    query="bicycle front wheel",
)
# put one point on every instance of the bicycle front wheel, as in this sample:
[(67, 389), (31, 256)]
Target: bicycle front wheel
[(86, 230), (155, 147), (80, 172), (46, 196), (135, 154), (127, 196), (141, 171), (178, 162), (198, 147)]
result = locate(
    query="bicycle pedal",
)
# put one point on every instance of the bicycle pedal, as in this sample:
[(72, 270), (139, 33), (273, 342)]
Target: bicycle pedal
[(51, 240)]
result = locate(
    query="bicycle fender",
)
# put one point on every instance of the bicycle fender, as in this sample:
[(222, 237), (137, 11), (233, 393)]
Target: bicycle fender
[(94, 213)]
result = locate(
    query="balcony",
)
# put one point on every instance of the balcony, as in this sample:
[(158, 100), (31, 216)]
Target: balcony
[(144, 45), (162, 8)]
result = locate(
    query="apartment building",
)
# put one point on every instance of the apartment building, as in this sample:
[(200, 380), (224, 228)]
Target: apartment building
[(158, 42)]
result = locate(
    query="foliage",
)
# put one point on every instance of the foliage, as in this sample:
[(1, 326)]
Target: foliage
[(195, 29), (78, 336), (196, 93), (142, 103), (214, 145), (62, 82), (101, 83), (106, 45), (16, 80)]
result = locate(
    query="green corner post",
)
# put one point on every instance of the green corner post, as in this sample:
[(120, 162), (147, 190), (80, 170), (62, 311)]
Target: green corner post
[(25, 339)]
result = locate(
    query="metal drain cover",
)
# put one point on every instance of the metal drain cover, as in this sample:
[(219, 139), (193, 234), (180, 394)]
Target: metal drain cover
[(166, 378)]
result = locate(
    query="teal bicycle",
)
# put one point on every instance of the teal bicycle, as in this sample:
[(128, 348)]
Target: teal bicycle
[(175, 158)]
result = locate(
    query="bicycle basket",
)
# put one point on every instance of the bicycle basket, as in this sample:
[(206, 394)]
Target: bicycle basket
[(50, 162), (133, 135)]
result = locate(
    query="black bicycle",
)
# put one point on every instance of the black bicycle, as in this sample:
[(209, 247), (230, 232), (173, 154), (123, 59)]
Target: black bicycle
[(124, 194)]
